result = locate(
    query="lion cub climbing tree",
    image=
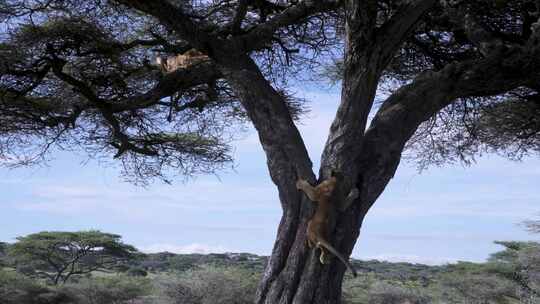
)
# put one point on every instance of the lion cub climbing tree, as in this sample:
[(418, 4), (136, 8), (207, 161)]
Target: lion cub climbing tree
[(318, 225)]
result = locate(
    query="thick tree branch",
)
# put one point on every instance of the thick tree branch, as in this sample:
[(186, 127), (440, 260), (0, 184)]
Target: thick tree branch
[(402, 113), (392, 34), (287, 160), (177, 81), (175, 18), (270, 115), (361, 20), (239, 16), (367, 55), (260, 35)]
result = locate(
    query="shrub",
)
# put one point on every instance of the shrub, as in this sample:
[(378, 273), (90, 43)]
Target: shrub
[(136, 272), (211, 285), (3, 250), (477, 288), (384, 293), (109, 290), (18, 289)]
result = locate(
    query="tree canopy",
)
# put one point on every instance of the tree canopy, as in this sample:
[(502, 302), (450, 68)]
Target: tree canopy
[(79, 75), (58, 256), (533, 226)]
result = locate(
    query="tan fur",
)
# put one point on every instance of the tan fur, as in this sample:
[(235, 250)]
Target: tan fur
[(317, 227), (181, 61)]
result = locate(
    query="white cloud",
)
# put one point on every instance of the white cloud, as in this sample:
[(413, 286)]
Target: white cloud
[(479, 206), (190, 248), (126, 200), (52, 191)]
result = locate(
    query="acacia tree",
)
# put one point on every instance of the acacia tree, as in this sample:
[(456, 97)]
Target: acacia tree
[(3, 249), (58, 256), (532, 226), (79, 74), (519, 262)]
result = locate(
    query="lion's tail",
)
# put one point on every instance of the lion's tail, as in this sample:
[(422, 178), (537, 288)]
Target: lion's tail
[(327, 245)]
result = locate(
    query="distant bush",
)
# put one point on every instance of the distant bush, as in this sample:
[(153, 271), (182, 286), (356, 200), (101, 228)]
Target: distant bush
[(185, 262), (385, 293), (18, 289), (3, 252), (477, 288), (210, 285), (109, 290), (136, 272)]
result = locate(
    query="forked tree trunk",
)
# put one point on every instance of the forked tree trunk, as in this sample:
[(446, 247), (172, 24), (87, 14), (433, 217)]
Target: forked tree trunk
[(294, 273)]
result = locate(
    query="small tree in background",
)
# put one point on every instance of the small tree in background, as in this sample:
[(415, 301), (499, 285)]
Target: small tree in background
[(59, 256), (532, 226), (3, 249), (520, 263), (469, 283)]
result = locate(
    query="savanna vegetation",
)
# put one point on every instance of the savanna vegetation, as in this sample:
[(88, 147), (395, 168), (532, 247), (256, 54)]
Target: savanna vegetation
[(510, 276)]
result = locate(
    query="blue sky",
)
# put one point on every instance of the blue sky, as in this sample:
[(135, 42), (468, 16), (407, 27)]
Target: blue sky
[(441, 215)]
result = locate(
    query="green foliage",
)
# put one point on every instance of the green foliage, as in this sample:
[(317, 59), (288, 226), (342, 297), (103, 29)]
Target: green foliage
[(109, 290), (463, 282), (520, 263), (210, 285), (170, 262), (136, 272), (384, 293), (3, 253), (57, 256), (511, 276), (466, 287), (18, 289)]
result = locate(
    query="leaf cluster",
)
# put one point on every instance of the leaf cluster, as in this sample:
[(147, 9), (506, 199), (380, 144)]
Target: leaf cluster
[(57, 255)]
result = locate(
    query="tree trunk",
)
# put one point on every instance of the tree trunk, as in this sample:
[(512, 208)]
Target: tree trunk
[(294, 273), (301, 277)]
